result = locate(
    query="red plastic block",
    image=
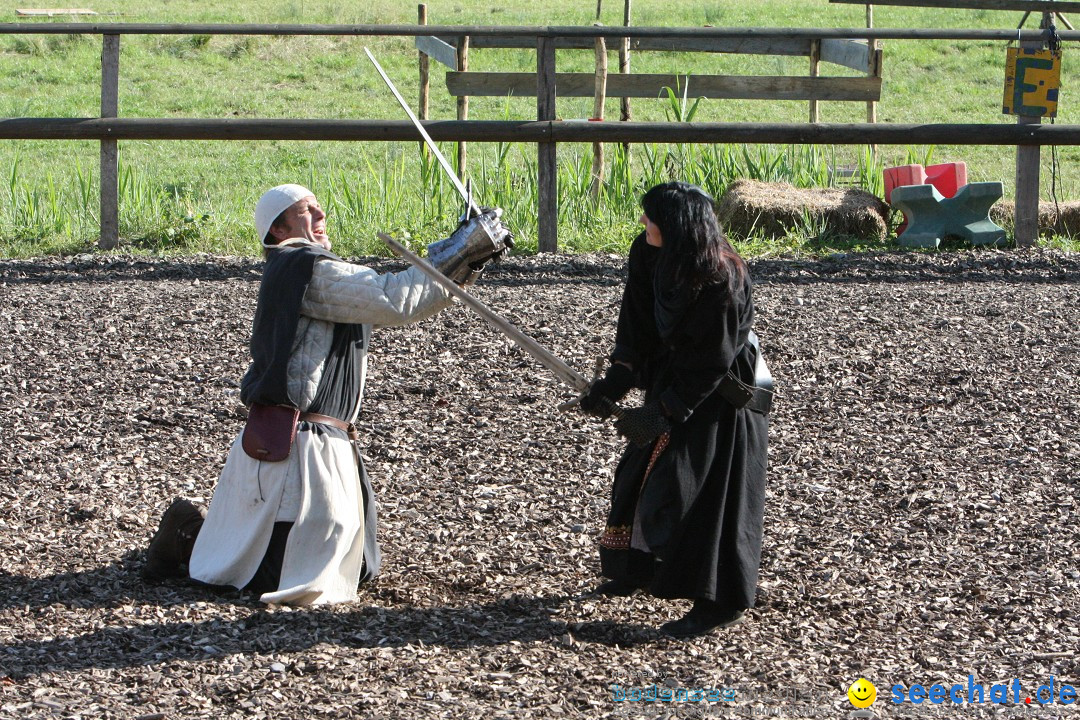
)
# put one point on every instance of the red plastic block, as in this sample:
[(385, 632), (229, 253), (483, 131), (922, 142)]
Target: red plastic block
[(947, 178), (903, 175)]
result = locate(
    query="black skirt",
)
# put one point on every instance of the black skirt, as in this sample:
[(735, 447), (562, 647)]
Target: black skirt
[(699, 505)]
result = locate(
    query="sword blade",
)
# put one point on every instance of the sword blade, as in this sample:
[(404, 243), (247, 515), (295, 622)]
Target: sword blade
[(465, 194), (545, 357)]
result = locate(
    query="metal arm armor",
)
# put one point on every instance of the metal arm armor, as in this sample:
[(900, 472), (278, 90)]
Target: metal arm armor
[(462, 256)]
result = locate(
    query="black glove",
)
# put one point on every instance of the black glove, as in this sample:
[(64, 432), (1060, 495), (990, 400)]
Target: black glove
[(642, 425), (602, 394)]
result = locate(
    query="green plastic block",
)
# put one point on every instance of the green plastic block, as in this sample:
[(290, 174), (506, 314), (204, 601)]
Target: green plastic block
[(932, 217)]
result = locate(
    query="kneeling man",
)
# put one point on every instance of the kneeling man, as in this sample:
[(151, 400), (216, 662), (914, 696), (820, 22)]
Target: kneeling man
[(293, 515)]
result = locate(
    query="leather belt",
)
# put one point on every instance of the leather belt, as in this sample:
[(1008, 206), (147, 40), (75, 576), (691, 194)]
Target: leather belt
[(334, 422), (746, 396)]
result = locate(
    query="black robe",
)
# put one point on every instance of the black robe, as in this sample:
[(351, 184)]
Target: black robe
[(700, 508)]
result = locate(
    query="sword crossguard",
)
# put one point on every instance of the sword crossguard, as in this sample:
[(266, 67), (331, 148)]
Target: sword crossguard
[(471, 208)]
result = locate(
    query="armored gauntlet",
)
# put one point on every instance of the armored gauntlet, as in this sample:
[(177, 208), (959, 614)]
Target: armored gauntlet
[(462, 256)]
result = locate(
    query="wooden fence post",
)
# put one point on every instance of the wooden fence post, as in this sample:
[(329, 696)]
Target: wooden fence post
[(547, 174), (110, 106), (425, 68), (599, 96), (815, 71), (873, 63), (425, 79), (624, 68), (1026, 218), (462, 102)]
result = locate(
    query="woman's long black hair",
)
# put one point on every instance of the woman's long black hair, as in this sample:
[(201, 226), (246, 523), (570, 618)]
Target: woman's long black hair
[(696, 252)]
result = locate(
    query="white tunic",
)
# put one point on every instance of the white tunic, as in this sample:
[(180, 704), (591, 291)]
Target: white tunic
[(316, 487)]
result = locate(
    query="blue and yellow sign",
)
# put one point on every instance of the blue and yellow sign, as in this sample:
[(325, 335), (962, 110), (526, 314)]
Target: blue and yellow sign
[(1032, 81)]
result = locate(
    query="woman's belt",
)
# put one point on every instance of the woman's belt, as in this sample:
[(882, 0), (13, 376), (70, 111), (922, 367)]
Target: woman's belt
[(741, 395)]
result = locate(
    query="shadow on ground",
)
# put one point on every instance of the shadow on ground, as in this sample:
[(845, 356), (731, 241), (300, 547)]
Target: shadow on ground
[(264, 630)]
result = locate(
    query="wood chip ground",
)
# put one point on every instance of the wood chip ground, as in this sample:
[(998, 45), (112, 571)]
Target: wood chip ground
[(921, 523)]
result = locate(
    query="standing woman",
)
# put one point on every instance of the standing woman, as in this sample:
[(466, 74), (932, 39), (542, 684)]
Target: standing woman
[(689, 492)]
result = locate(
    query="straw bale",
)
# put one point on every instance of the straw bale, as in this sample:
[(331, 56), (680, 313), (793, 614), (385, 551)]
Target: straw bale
[(775, 209), (1054, 219)]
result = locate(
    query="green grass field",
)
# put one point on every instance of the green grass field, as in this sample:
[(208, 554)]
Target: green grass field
[(182, 197)]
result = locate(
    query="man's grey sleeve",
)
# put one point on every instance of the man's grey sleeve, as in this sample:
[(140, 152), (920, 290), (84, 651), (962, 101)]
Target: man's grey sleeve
[(343, 292)]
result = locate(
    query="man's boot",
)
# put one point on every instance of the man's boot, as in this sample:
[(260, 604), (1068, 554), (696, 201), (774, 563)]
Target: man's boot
[(170, 548)]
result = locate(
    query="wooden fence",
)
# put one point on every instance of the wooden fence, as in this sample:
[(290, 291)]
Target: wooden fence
[(545, 132), (453, 52)]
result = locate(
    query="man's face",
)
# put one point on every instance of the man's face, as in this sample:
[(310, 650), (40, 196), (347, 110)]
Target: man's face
[(303, 219)]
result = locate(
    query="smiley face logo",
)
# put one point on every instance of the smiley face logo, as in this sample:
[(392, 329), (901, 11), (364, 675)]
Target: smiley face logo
[(862, 693)]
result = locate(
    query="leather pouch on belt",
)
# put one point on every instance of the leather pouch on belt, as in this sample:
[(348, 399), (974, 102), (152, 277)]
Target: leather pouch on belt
[(270, 432)]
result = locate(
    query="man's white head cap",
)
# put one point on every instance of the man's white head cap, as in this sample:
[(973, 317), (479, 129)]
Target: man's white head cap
[(274, 202)]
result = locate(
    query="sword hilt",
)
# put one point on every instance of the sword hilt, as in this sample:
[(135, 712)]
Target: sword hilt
[(613, 409)]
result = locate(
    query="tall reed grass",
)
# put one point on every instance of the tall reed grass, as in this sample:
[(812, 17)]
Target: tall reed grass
[(404, 191)]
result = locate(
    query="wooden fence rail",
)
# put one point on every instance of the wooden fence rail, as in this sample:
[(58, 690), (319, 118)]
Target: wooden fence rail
[(1020, 5), (545, 132), (650, 85), (534, 32), (532, 131)]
